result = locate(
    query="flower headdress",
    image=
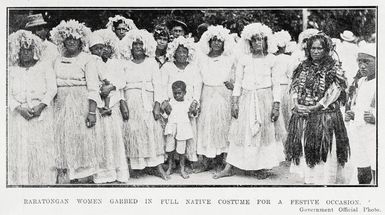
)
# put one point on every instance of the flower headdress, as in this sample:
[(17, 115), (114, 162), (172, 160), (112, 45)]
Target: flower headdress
[(282, 38), (220, 33), (161, 31), (149, 43), (128, 22), (106, 37), (71, 28), (306, 34), (185, 42), (23, 39), (253, 29)]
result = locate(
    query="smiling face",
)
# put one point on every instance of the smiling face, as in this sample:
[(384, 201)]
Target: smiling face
[(317, 51), (216, 44), (137, 48), (181, 54), (366, 64), (72, 45)]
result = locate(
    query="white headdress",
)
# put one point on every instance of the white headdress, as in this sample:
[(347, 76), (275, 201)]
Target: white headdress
[(185, 42), (282, 38), (149, 43), (306, 34), (220, 33), (71, 28), (368, 48), (23, 39), (128, 22), (253, 29), (105, 37)]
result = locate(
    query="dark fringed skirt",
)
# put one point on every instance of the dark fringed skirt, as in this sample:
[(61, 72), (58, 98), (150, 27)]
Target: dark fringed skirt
[(318, 130)]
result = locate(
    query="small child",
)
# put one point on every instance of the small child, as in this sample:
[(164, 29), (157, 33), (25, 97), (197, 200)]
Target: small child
[(178, 129)]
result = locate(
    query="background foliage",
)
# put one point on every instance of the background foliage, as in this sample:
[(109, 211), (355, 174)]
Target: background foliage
[(362, 22)]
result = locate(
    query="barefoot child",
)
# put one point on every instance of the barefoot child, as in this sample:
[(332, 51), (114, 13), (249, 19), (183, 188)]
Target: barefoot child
[(179, 128)]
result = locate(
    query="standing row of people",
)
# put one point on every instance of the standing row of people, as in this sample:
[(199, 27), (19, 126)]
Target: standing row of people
[(137, 101)]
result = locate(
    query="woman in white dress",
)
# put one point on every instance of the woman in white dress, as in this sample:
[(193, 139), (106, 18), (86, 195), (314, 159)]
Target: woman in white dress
[(256, 130), (32, 87), (78, 134), (143, 134), (103, 46), (216, 63), (181, 67)]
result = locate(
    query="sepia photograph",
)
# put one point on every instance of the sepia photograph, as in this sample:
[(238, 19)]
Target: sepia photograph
[(191, 97)]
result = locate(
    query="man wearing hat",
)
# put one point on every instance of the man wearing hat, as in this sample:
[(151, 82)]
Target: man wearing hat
[(361, 119), (178, 28), (347, 52), (38, 26)]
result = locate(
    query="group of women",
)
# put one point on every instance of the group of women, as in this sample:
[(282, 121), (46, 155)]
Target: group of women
[(104, 106)]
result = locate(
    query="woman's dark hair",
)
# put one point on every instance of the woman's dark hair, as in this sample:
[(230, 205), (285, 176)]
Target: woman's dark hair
[(325, 41), (161, 31), (178, 85), (117, 23)]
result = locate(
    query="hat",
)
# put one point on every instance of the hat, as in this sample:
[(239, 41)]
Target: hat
[(347, 36), (175, 22), (367, 48), (35, 20), (95, 39)]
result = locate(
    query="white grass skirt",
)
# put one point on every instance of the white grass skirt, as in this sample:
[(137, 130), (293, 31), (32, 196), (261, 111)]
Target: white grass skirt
[(80, 149), (115, 167), (214, 121), (264, 150), (31, 150), (143, 136)]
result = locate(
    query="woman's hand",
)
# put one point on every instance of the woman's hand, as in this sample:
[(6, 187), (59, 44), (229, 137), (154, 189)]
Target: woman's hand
[(369, 117), (349, 115), (229, 85), (156, 111), (124, 110), (235, 110), (106, 89), (38, 109), (91, 120), (27, 113), (275, 112), (194, 108)]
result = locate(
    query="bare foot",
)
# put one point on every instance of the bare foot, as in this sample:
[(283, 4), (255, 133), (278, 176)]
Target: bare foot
[(223, 173), (184, 174), (162, 173), (201, 169)]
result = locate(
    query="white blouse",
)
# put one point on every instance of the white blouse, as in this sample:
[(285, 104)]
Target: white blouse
[(78, 71), (145, 76), (215, 71), (257, 73), (31, 86), (190, 75)]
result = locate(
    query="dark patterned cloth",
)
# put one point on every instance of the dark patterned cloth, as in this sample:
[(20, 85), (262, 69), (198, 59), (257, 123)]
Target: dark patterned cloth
[(310, 83)]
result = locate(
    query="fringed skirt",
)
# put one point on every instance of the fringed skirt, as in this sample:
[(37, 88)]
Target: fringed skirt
[(80, 149), (115, 167), (286, 104), (318, 146), (143, 136), (31, 150), (214, 121), (263, 150)]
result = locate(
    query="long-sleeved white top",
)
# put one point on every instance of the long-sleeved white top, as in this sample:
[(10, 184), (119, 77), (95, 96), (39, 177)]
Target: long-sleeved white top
[(257, 73), (31, 86)]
